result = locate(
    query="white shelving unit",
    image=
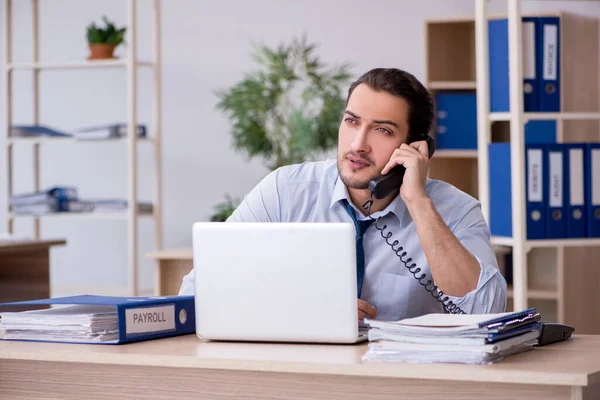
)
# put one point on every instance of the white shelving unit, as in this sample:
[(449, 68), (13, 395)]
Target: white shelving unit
[(561, 250), (558, 277), (131, 64)]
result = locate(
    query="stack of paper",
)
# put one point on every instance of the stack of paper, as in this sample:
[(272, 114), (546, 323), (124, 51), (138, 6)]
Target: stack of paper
[(453, 338), (109, 131), (100, 319), (76, 324)]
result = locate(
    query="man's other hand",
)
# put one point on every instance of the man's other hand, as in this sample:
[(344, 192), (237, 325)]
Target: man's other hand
[(365, 309)]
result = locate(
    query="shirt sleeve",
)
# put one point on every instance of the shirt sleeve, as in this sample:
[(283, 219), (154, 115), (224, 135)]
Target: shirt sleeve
[(491, 292), (261, 204)]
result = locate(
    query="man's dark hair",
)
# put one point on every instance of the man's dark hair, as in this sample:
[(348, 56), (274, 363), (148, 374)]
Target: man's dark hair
[(405, 85)]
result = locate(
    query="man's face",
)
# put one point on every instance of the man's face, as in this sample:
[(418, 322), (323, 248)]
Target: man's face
[(373, 126)]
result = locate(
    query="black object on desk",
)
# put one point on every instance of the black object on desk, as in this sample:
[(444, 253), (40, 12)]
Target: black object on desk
[(552, 333)]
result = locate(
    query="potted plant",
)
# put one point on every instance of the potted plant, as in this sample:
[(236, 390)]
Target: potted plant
[(103, 41), (289, 110)]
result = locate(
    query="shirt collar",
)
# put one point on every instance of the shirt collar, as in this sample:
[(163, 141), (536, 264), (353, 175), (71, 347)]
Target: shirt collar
[(340, 192)]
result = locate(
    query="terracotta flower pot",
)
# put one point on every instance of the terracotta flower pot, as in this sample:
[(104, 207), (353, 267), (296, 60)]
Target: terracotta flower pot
[(99, 51)]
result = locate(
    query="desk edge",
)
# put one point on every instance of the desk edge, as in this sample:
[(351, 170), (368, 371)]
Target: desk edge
[(19, 246), (267, 366)]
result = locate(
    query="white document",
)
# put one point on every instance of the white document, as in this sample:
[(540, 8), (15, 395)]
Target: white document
[(451, 338), (479, 348), (76, 323), (443, 320)]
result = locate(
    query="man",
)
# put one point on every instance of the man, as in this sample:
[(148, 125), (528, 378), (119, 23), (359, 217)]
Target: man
[(440, 228)]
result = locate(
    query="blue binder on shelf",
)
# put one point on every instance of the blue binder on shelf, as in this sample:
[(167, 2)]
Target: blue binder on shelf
[(592, 196), (548, 70), (500, 190), (456, 120), (540, 131), (536, 169), (499, 175), (554, 184), (574, 173), (499, 65), (531, 84), (108, 319)]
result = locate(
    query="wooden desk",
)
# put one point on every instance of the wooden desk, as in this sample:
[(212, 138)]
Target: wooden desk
[(25, 270), (172, 266), (186, 367)]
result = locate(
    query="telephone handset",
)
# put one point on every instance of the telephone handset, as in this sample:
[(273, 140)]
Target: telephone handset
[(383, 186)]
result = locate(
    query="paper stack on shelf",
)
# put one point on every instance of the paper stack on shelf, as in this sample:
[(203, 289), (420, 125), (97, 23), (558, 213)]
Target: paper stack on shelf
[(65, 199), (52, 199), (103, 205), (110, 131), (453, 338)]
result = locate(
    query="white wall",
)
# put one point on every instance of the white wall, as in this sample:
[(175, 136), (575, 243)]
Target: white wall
[(206, 45)]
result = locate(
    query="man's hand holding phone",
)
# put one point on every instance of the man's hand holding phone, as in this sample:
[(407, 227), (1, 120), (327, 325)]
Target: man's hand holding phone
[(415, 158)]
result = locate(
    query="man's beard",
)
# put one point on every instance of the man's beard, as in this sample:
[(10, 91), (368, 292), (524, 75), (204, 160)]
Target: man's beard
[(353, 182)]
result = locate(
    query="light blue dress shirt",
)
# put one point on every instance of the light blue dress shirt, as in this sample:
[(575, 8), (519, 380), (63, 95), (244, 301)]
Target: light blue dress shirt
[(314, 192)]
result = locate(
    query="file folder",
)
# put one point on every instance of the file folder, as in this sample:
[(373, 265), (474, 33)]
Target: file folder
[(535, 171), (529, 33), (498, 64), (574, 173), (549, 65), (499, 175), (122, 319), (500, 190), (554, 191), (456, 120), (540, 131), (592, 170)]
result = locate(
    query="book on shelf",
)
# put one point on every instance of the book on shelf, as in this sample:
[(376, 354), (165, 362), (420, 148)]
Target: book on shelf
[(453, 338), (110, 131), (52, 206), (25, 131), (96, 319)]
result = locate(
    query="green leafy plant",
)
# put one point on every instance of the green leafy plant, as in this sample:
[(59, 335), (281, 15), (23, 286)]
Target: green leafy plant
[(224, 209), (107, 35), (288, 110)]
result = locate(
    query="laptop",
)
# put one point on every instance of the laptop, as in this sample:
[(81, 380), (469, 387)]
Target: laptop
[(276, 282)]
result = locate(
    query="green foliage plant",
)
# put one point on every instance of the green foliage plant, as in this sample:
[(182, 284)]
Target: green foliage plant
[(106, 35), (290, 108)]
